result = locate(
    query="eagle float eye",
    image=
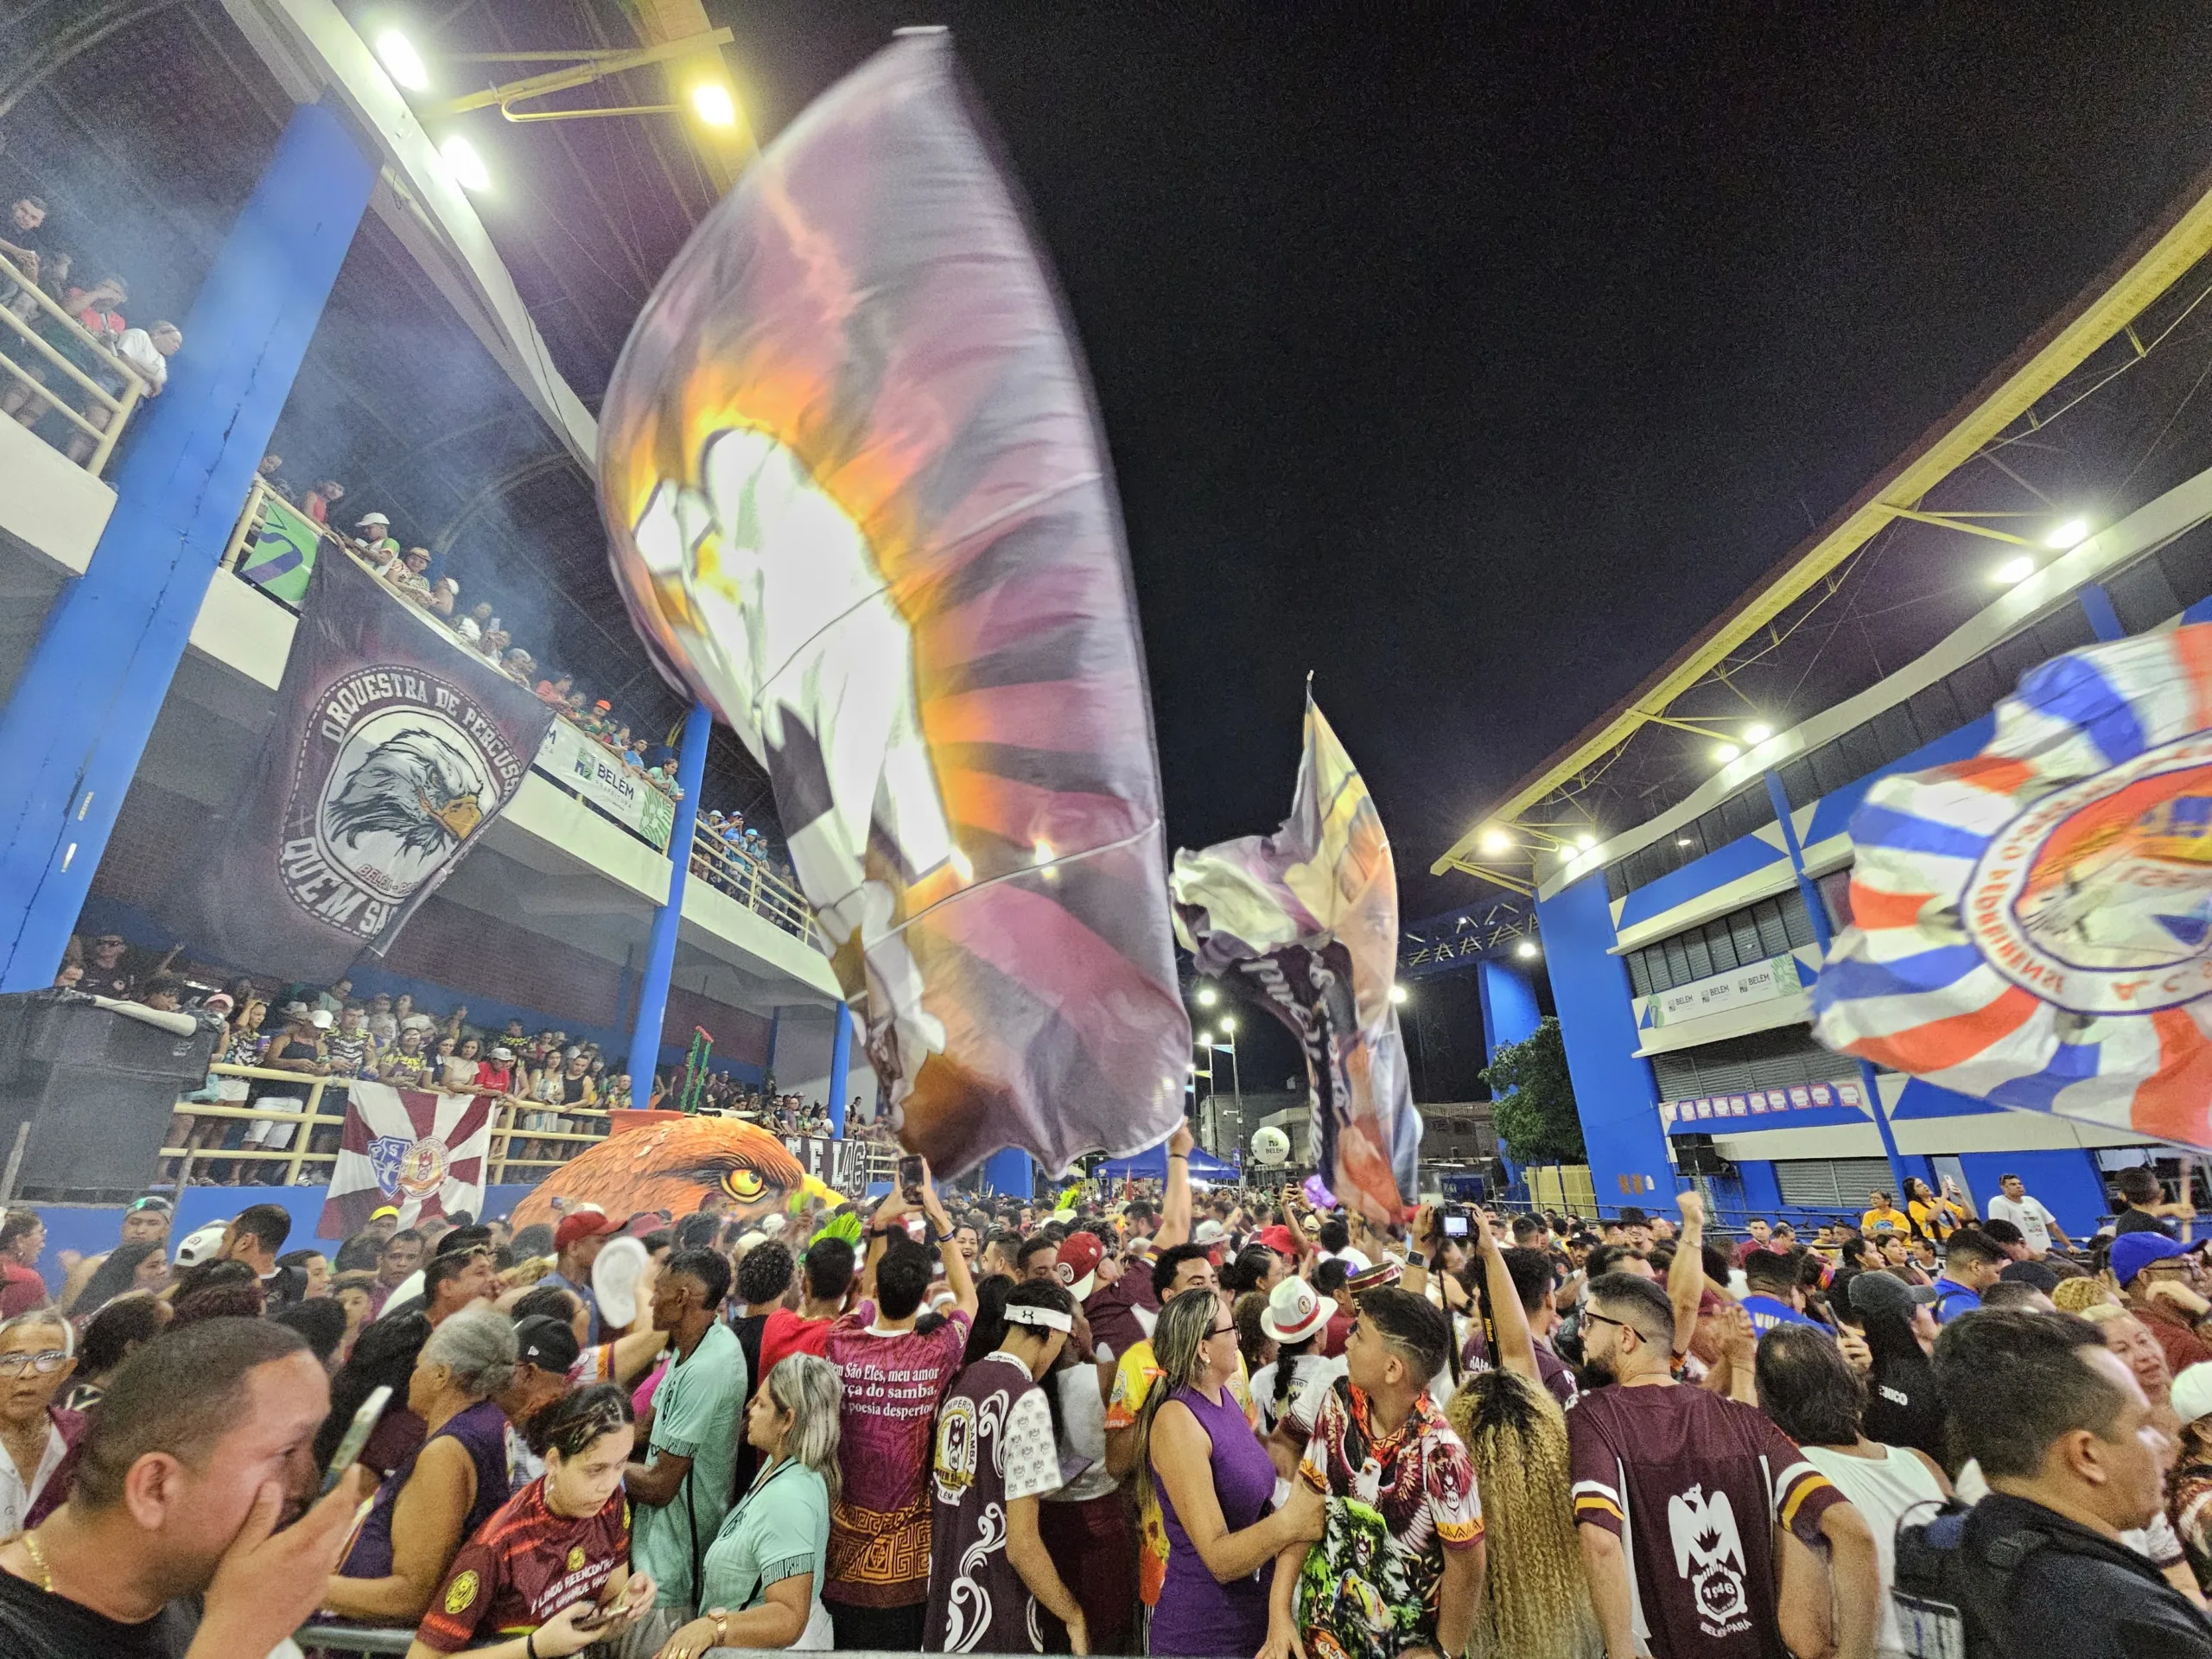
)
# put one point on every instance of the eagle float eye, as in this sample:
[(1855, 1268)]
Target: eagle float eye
[(744, 1184)]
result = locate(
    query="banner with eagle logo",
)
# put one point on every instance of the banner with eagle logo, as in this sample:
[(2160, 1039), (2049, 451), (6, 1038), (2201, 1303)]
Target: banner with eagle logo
[(393, 747), (425, 1152), (858, 503)]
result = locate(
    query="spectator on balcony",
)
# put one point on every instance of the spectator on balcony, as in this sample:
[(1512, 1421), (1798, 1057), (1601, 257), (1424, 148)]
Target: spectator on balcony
[(444, 592), (375, 541), (463, 1066), (271, 473), (407, 1065), (555, 690), (471, 628), (493, 647), (351, 1049), (53, 281), (20, 246), (322, 498), (495, 1075), (147, 352), (407, 575), (109, 970), (299, 1046), (519, 667)]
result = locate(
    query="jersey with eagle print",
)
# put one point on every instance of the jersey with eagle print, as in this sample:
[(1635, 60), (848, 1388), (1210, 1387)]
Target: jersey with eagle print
[(524, 1565), (1692, 1484)]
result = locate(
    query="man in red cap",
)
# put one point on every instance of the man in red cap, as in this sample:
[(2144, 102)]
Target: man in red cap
[(576, 1244)]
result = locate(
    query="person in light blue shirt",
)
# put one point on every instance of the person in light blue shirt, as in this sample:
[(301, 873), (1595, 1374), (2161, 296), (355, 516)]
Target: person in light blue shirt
[(1972, 1262), (1776, 1299), (681, 1492)]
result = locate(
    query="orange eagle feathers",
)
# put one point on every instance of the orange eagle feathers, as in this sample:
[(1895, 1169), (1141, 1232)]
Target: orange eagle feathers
[(676, 1167)]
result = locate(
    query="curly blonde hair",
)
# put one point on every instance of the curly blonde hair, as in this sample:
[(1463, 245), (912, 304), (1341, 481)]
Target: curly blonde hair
[(1536, 1600), (2079, 1295)]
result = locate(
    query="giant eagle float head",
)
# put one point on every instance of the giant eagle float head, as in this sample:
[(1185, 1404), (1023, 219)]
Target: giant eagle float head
[(416, 787), (674, 1166)]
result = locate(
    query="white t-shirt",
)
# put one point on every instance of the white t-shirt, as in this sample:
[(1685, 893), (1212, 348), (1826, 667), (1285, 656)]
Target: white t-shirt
[(2029, 1215), (135, 347)]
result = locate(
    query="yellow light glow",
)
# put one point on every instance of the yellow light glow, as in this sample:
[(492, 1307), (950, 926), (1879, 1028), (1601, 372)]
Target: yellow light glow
[(712, 103), (1228, 1022), (1397, 993), (1585, 841), (1208, 996), (1496, 841), (1724, 752), (1757, 733), (2072, 533), (1525, 949), (2013, 570)]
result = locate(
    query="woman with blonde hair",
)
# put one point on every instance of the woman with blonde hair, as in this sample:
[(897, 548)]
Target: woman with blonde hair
[(1215, 1483), (761, 1585), (1536, 1601)]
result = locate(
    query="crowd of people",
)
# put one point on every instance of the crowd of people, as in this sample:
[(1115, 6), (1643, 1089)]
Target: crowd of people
[(104, 347), (1218, 1425)]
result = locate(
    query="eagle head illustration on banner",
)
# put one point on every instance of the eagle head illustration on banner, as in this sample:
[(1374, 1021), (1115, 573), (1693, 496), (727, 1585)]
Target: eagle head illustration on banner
[(2033, 925), (858, 503), (677, 1168)]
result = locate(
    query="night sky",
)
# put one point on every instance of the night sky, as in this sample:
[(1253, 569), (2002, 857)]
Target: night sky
[(1474, 360)]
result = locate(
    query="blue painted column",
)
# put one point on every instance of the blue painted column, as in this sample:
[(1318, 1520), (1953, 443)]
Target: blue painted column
[(841, 1068), (2096, 605), (1510, 1015), (1615, 1094), (72, 735), (660, 952), (1817, 910)]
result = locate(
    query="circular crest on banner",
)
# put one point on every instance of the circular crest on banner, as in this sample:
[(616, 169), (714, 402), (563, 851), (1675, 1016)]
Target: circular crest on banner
[(423, 1167), (2098, 897)]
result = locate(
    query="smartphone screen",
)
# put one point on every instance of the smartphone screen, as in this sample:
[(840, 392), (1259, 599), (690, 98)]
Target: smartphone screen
[(357, 1436), (910, 1178), (1455, 1226)]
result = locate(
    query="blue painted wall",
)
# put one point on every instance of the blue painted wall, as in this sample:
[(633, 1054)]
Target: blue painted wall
[(1508, 998), (1614, 1092), (1739, 858), (2067, 1180)]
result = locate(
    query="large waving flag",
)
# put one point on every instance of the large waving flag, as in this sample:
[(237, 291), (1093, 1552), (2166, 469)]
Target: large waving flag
[(421, 1151), (1308, 917), (858, 503), (2033, 926)]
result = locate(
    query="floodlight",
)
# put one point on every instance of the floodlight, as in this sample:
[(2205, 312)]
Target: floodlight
[(1208, 996), (1496, 841), (2013, 570), (1585, 841), (1724, 752), (1525, 949), (1397, 993), (711, 100), (2069, 534), (402, 61), (1757, 733), (465, 164)]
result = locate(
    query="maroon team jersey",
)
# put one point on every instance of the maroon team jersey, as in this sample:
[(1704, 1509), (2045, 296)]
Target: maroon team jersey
[(524, 1565), (1694, 1486)]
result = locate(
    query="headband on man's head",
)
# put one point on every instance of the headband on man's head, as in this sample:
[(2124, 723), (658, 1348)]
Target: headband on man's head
[(1050, 1317)]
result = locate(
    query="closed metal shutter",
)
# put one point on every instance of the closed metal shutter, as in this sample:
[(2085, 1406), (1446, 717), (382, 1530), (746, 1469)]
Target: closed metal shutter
[(1831, 1183)]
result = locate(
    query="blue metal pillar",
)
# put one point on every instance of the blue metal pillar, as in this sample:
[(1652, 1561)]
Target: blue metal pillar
[(2096, 605), (660, 953), (1817, 909), (841, 1068), (72, 735), (1510, 1015)]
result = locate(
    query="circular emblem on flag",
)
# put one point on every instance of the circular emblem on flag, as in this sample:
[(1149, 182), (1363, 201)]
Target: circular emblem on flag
[(2098, 897), (575, 1558), (956, 1450), (2033, 925), (423, 1168), (461, 1591)]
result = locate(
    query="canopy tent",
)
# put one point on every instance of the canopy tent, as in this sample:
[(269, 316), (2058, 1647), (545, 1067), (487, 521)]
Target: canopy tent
[(1152, 1165)]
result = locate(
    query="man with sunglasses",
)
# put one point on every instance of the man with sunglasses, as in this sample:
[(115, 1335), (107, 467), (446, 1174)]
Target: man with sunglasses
[(1678, 1494)]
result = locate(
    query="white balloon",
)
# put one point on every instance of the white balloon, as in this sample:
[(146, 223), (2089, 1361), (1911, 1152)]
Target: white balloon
[(1270, 1146)]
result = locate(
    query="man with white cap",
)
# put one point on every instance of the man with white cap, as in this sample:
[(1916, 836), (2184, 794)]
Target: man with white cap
[(377, 542)]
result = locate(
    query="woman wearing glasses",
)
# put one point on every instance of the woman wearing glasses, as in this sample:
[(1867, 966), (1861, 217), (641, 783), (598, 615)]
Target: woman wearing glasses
[(1215, 1482), (37, 1352)]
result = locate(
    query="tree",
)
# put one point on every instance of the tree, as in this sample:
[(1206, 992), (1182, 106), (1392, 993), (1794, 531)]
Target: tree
[(1531, 1099)]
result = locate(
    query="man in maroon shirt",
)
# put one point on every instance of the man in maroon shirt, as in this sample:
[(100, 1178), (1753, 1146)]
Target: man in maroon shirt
[(1678, 1492)]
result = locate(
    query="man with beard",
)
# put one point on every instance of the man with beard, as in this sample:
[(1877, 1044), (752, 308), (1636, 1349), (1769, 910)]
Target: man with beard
[(1695, 1485), (200, 1446)]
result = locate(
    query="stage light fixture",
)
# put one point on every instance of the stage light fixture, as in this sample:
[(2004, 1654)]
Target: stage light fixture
[(465, 164), (1397, 993), (402, 61), (711, 101), (1758, 732), (1525, 949), (2013, 570), (1496, 841), (2072, 533), (1724, 752), (1208, 996)]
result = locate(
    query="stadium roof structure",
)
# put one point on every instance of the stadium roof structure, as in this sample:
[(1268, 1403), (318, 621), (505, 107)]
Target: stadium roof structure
[(2097, 414)]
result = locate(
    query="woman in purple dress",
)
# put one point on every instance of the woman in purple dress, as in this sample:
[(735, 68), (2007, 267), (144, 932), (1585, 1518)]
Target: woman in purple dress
[(1215, 1483)]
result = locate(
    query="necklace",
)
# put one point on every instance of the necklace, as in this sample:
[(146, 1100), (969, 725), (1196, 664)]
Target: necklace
[(39, 1561)]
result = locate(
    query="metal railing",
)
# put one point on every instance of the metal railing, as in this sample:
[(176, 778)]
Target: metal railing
[(753, 884), (519, 1151), (17, 371), (742, 877)]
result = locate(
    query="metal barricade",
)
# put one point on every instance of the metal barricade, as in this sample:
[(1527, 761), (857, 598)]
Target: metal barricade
[(21, 335), (749, 881)]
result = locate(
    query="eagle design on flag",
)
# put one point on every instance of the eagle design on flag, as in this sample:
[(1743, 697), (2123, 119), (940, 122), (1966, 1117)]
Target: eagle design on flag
[(422, 1151), (857, 503)]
